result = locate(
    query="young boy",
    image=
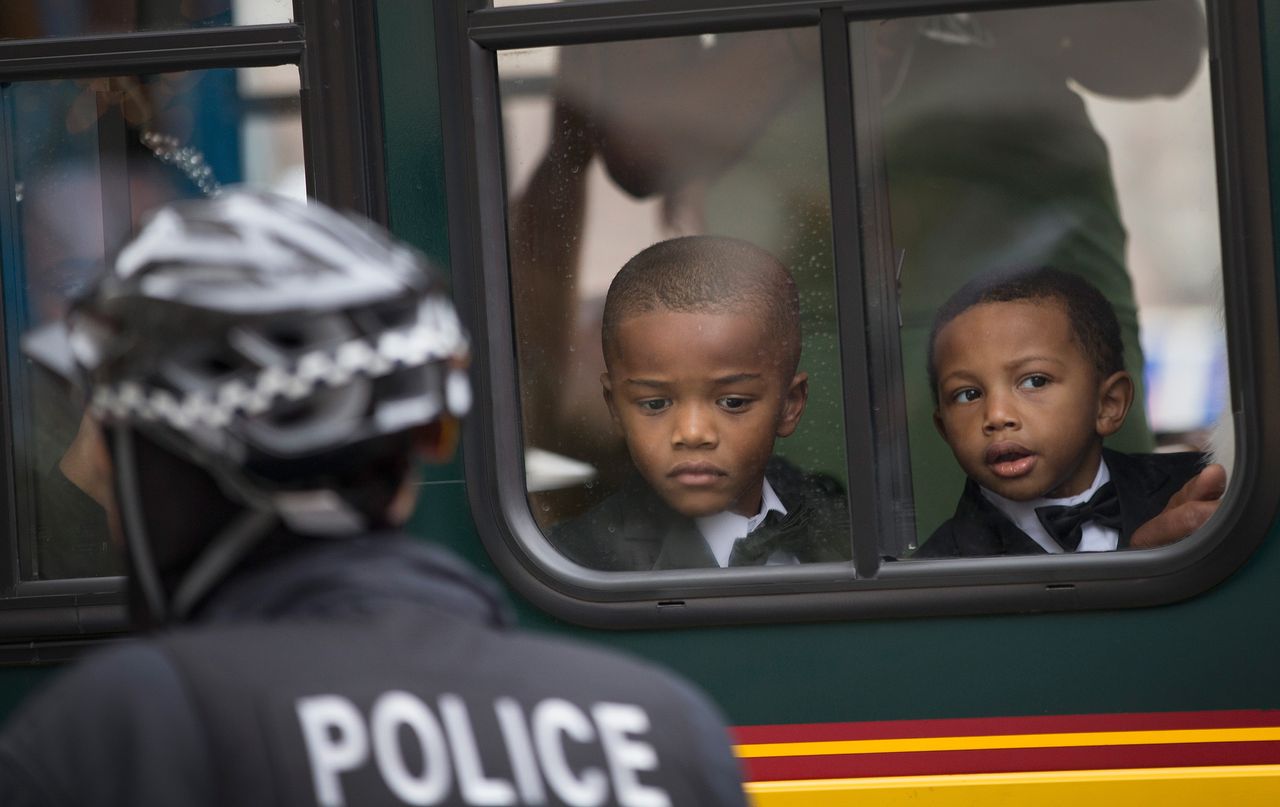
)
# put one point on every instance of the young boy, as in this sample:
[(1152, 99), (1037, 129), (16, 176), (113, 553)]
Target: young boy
[(701, 339), (1028, 375)]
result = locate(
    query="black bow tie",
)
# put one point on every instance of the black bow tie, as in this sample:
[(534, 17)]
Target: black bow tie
[(1066, 524), (774, 533)]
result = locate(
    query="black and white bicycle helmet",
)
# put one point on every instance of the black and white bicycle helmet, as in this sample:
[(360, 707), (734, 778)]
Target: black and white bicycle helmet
[(264, 340)]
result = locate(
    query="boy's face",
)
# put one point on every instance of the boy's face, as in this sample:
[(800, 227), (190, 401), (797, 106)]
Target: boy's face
[(700, 398), (1020, 404)]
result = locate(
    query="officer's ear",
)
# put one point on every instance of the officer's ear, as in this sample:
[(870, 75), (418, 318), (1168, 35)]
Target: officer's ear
[(435, 442), (432, 443)]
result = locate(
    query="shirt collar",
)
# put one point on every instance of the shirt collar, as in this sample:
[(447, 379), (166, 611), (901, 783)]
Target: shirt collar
[(357, 576), (722, 529), (1023, 514)]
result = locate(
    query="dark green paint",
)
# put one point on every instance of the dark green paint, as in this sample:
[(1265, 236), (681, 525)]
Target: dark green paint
[(411, 117)]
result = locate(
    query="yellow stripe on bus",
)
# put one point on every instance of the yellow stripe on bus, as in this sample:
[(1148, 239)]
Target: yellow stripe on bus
[(1064, 740), (1237, 786)]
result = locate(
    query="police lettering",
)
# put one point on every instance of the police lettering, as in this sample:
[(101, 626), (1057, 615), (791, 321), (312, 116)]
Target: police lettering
[(448, 763)]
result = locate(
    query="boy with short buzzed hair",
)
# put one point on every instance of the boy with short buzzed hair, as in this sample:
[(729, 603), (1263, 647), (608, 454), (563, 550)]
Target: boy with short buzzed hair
[(1027, 371), (701, 340)]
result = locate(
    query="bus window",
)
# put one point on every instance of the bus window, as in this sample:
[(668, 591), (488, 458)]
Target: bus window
[(1079, 138), (599, 167), (889, 163), (89, 158)]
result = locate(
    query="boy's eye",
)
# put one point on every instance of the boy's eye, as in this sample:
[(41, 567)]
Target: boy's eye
[(966, 395), (1034, 382), (654, 404), (733, 402)]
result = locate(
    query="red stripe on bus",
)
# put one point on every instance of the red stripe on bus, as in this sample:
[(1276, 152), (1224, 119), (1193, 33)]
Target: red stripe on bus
[(991, 726), (1010, 760)]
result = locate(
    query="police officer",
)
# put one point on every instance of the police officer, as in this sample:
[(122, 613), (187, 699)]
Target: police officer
[(264, 373)]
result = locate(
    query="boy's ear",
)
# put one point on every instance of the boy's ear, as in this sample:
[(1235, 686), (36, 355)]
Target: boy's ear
[(793, 406), (606, 389), (939, 424), (1115, 396)]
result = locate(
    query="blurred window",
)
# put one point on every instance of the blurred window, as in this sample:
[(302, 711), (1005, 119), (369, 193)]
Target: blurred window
[(90, 158)]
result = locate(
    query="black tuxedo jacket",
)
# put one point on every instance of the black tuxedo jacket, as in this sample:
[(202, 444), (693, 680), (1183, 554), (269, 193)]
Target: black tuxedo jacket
[(634, 530), (1144, 483)]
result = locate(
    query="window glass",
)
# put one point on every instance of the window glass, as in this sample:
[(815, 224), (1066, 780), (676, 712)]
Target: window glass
[(30, 19), (611, 148), (88, 158), (1075, 137)]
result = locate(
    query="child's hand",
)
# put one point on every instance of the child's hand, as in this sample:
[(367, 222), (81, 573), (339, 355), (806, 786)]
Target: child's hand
[(1187, 510)]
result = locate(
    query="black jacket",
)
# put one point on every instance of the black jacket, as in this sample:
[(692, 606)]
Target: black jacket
[(1144, 483), (634, 530), (365, 672)]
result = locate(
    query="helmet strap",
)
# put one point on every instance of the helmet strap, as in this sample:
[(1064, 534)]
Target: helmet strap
[(217, 558), (125, 465), (227, 549)]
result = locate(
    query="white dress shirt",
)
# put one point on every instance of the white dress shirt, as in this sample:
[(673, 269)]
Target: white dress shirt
[(722, 530), (1093, 538)]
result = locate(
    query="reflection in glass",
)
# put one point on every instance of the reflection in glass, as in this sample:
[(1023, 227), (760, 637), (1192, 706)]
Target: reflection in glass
[(90, 157), (613, 147), (33, 19), (1076, 137)]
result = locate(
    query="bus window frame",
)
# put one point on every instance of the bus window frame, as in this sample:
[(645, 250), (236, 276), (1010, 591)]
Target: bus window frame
[(468, 40), (51, 620)]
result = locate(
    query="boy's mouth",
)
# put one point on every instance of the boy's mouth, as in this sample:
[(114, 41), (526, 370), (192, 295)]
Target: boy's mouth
[(696, 474), (1009, 460)]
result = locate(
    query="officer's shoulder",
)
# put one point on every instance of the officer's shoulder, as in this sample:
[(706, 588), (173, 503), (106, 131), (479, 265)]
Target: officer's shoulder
[(113, 679), (125, 696), (131, 688)]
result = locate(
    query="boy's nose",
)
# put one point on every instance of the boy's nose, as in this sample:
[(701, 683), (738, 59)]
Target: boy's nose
[(1000, 414), (695, 428)]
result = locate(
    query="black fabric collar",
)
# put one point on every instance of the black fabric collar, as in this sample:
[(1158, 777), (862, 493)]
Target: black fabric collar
[(355, 577)]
